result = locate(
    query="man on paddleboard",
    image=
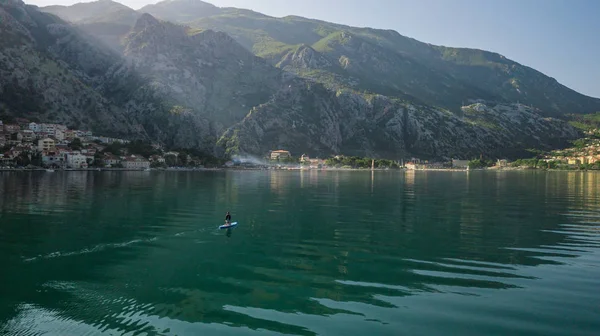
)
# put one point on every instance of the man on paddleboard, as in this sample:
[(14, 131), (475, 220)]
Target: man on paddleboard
[(227, 219)]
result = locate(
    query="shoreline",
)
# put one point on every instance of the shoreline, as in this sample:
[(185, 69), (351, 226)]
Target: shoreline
[(496, 169)]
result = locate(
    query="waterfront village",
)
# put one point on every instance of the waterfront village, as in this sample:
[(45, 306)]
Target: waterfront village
[(27, 144), (53, 146)]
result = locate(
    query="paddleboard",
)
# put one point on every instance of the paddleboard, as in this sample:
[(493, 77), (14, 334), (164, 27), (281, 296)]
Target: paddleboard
[(234, 224)]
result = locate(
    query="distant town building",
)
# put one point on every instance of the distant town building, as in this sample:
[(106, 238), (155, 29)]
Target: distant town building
[(316, 163), (11, 128), (35, 127), (53, 159), (5, 160), (110, 160), (157, 158), (22, 122), (69, 135), (48, 128), (89, 151), (46, 145), (27, 135), (15, 139), (502, 163), (134, 162), (59, 135), (76, 160), (280, 154)]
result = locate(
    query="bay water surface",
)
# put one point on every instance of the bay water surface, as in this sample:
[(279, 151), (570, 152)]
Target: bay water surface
[(315, 253)]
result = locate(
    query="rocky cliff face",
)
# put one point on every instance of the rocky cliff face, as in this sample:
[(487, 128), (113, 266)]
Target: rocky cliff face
[(308, 118), (55, 73), (48, 71), (204, 70), (364, 59), (199, 88), (388, 63)]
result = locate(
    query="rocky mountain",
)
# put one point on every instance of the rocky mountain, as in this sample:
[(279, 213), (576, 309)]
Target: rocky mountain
[(54, 72), (364, 59), (48, 71), (181, 10), (385, 62), (319, 121), (351, 91), (205, 71), (97, 11), (107, 20)]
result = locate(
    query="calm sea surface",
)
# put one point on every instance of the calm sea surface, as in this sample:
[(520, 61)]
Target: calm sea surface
[(316, 253)]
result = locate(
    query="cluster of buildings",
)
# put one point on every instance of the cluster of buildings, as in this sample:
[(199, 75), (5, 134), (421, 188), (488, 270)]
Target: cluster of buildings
[(53, 143), (305, 160), (412, 164), (312, 163), (587, 155), (417, 164), (280, 154)]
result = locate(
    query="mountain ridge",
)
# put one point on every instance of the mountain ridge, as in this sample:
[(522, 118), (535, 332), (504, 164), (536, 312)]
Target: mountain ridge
[(481, 74), (194, 87)]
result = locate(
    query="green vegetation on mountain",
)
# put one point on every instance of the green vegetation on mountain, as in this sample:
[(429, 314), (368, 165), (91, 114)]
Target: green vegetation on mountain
[(484, 75), (589, 123)]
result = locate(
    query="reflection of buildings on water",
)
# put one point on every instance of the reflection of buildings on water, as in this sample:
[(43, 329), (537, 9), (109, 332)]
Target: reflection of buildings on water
[(410, 177), (314, 177), (573, 183), (278, 181), (41, 192), (583, 184)]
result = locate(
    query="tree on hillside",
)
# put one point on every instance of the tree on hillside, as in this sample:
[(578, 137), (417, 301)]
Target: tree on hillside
[(23, 159), (579, 143), (139, 147), (36, 159), (76, 144), (171, 160), (480, 163), (182, 159), (114, 148), (98, 160)]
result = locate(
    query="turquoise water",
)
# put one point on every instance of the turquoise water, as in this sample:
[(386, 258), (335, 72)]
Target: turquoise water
[(316, 253)]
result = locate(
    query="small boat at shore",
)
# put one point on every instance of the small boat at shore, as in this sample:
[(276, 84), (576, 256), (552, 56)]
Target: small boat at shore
[(50, 170)]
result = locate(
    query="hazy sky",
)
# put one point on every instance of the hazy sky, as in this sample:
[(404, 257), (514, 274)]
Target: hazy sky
[(560, 38)]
